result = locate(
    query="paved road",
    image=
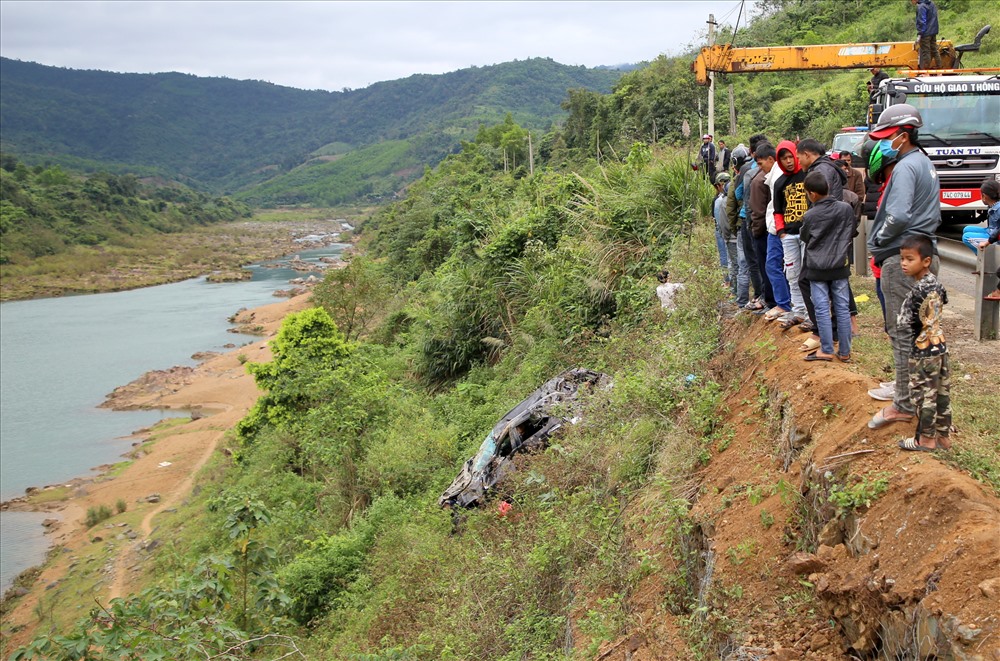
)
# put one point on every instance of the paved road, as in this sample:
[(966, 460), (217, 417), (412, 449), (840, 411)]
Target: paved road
[(960, 283)]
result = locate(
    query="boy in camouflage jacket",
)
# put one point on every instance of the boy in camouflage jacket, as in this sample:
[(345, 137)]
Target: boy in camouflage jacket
[(930, 377)]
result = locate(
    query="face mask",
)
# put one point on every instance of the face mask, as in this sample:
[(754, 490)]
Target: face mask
[(887, 146)]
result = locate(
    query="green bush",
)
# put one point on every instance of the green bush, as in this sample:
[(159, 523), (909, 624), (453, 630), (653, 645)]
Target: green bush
[(96, 515)]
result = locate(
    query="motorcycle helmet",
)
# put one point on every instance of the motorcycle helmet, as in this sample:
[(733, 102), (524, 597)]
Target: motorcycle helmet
[(876, 158), (895, 117)]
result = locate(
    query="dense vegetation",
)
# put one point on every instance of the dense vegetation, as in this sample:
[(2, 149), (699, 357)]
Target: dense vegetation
[(49, 211), (225, 135), (486, 280)]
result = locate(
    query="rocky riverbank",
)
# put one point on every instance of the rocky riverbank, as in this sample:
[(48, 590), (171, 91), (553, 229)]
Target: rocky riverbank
[(218, 251)]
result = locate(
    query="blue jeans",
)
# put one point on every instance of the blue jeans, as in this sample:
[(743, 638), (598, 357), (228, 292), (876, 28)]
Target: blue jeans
[(720, 243), (760, 246), (973, 232), (835, 293), (775, 269)]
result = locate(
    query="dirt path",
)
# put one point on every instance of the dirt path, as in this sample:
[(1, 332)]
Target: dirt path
[(170, 500), (156, 482)]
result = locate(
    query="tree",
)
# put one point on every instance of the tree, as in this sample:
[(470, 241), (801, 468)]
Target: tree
[(354, 295)]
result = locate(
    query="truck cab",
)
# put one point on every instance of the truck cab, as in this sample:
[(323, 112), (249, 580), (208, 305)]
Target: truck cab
[(961, 134), (850, 138)]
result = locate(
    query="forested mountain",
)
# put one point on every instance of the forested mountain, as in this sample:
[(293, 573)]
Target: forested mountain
[(226, 135)]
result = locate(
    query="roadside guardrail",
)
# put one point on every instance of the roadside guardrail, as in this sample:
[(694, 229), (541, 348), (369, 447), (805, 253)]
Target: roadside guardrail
[(983, 264)]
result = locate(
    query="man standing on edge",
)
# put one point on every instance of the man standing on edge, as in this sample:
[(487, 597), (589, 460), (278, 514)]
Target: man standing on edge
[(723, 162), (927, 31), (708, 157), (910, 205)]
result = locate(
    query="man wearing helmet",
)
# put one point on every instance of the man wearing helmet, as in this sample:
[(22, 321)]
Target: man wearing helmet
[(910, 205)]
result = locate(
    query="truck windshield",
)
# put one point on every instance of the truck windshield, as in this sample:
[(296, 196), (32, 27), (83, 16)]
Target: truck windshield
[(848, 142), (959, 119)]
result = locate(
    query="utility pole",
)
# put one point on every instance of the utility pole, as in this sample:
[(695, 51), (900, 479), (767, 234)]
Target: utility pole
[(732, 112), (531, 156), (711, 78)]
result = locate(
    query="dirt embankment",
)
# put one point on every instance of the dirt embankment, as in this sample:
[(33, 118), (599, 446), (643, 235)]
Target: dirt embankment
[(789, 560), (98, 563)]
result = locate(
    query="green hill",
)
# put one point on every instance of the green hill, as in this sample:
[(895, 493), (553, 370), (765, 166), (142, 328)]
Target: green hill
[(225, 135)]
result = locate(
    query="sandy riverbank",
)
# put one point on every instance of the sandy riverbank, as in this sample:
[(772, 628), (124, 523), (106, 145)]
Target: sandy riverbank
[(221, 392)]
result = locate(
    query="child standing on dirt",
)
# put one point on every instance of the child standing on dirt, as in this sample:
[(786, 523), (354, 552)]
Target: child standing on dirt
[(827, 230), (930, 378)]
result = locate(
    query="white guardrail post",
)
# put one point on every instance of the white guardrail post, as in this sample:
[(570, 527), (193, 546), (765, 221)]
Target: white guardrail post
[(983, 264), (861, 248), (987, 321)]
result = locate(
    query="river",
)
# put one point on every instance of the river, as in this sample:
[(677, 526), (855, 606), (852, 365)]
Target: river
[(59, 358)]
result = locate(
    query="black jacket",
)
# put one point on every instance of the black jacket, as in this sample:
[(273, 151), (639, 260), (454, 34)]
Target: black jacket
[(872, 193), (835, 177), (827, 230)]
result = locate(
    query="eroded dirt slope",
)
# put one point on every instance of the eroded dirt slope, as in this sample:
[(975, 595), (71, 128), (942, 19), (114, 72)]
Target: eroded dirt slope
[(815, 537)]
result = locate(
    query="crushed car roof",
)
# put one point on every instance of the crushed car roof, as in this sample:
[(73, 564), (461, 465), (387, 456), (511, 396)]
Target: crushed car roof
[(525, 427)]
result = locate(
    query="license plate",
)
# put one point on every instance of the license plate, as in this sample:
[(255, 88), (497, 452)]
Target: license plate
[(956, 195)]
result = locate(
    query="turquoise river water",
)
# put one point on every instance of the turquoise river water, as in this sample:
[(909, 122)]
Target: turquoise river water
[(59, 358)]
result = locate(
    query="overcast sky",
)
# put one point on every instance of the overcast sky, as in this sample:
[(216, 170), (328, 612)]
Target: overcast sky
[(333, 45)]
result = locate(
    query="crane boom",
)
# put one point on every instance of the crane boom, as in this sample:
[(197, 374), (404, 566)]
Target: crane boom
[(893, 55)]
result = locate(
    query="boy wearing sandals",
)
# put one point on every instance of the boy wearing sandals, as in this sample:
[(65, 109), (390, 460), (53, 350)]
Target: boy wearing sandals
[(827, 230), (930, 378)]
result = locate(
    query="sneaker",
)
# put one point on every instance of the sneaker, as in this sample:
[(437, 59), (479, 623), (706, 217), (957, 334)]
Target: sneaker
[(887, 384), (883, 393)]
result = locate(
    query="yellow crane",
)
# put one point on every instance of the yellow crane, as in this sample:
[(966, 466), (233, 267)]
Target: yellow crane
[(726, 58)]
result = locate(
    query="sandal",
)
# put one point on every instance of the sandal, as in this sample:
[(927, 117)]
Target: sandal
[(791, 321), (815, 356), (880, 420), (811, 344), (912, 445), (807, 327), (774, 313), (844, 359)]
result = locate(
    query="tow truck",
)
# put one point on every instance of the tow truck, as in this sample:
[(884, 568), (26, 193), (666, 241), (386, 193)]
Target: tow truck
[(960, 107), (961, 131)]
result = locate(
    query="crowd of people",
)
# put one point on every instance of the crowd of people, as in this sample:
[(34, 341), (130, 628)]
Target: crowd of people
[(786, 218)]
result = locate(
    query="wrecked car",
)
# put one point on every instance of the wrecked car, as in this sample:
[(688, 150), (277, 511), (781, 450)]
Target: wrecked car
[(525, 427)]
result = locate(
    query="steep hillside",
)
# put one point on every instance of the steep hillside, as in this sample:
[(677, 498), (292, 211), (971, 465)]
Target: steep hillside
[(663, 523), (225, 135)]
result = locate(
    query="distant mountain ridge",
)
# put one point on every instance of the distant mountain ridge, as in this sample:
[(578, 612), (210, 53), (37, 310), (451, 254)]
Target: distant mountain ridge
[(225, 135)]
